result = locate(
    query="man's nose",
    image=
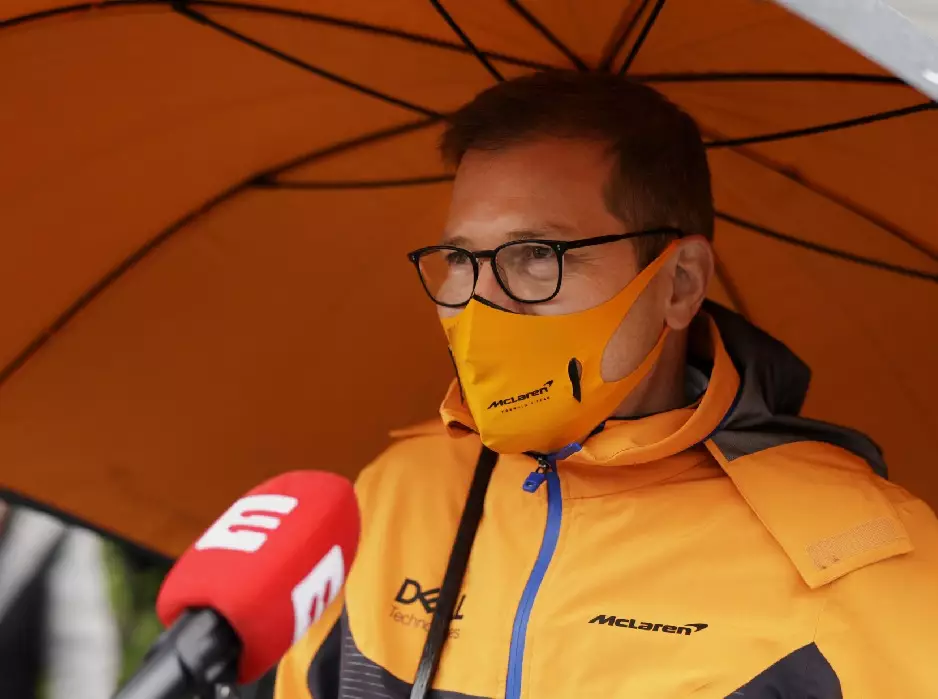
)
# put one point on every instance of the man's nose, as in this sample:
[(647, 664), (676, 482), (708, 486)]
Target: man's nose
[(488, 288)]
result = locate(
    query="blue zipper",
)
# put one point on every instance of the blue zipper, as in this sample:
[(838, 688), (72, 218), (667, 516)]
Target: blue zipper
[(546, 471)]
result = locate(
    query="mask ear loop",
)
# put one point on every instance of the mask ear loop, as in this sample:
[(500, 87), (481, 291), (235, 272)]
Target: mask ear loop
[(651, 270)]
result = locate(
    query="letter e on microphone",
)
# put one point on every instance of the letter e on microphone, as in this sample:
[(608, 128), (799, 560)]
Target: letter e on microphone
[(239, 529)]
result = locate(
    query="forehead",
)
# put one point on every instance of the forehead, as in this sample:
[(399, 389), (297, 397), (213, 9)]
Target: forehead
[(552, 186)]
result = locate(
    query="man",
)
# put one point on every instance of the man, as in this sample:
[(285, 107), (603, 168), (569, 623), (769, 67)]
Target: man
[(660, 522)]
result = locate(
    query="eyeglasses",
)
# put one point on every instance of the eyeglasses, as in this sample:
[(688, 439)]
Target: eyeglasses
[(529, 271)]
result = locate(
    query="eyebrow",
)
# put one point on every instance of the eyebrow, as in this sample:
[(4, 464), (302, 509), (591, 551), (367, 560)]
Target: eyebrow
[(546, 231)]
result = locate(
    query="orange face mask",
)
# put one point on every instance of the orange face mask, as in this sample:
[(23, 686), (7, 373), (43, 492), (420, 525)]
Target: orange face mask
[(534, 383)]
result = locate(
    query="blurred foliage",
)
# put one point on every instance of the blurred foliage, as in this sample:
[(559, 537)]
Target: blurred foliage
[(134, 583)]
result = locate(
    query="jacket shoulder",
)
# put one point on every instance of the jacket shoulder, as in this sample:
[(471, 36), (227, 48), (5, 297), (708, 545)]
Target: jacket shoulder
[(826, 507), (428, 465), (877, 626)]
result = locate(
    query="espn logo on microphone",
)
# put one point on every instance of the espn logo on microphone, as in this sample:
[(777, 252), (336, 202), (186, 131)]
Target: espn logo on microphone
[(242, 528)]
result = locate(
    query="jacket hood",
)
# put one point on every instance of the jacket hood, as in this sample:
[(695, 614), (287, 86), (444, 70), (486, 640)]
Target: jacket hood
[(773, 380), (773, 386)]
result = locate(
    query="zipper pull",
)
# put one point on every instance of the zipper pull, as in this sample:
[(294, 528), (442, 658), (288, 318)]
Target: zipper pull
[(545, 463), (534, 480), (537, 476)]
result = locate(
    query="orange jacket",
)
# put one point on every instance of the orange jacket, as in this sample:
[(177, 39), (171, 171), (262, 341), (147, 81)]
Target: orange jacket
[(729, 549)]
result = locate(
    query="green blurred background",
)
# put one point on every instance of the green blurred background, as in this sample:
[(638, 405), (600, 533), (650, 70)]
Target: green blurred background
[(134, 582)]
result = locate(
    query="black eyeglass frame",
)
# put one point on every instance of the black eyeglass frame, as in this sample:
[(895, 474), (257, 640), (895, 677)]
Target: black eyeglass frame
[(559, 247)]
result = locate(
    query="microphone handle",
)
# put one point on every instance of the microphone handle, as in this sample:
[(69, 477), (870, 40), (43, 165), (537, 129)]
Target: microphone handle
[(199, 651)]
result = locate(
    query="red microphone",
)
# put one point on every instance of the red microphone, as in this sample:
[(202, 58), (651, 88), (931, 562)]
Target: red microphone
[(252, 584)]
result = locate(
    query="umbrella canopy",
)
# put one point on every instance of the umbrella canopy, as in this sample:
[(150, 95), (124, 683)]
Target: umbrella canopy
[(205, 205)]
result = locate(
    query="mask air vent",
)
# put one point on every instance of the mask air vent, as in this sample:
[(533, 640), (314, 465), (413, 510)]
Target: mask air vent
[(574, 369)]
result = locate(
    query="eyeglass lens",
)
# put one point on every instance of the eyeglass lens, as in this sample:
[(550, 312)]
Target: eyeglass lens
[(530, 271)]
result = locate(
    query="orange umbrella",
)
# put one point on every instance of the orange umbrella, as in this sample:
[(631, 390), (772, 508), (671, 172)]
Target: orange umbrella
[(204, 209)]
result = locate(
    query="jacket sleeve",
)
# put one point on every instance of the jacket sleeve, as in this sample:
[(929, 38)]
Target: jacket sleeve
[(310, 669), (879, 628)]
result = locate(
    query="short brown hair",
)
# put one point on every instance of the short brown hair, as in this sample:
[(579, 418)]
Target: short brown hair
[(662, 178)]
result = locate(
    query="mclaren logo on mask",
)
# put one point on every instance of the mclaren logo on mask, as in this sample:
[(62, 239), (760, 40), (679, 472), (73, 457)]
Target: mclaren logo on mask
[(509, 403)]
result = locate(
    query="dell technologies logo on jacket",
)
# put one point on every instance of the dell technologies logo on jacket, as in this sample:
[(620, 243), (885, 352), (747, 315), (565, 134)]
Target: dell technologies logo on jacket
[(623, 623), (505, 402), (411, 592)]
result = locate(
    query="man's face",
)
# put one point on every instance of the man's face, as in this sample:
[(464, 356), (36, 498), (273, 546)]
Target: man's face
[(554, 189)]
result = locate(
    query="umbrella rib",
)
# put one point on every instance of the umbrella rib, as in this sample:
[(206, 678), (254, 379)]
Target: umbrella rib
[(732, 291), (153, 243), (195, 16), (116, 273), (436, 179), (640, 41), (840, 200), (351, 184), (542, 29), (826, 250), (438, 6), (822, 128), (606, 63), (280, 12), (364, 26), (341, 147), (767, 76), (450, 46), (72, 9)]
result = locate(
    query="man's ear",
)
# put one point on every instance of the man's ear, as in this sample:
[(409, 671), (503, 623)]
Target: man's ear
[(691, 273)]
